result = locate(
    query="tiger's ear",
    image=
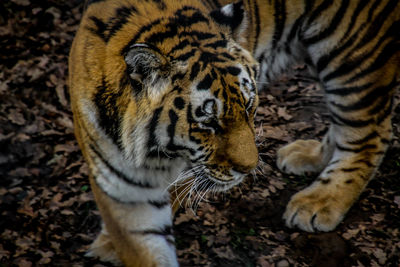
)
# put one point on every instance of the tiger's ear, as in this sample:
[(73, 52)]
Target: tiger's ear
[(234, 17), (147, 67)]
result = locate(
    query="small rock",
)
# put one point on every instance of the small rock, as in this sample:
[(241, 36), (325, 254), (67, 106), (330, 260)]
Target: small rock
[(282, 263)]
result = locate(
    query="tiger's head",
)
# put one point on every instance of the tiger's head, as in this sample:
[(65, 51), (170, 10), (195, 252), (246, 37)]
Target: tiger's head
[(193, 95)]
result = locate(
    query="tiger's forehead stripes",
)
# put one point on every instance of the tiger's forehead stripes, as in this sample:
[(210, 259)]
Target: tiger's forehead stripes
[(180, 24), (106, 30)]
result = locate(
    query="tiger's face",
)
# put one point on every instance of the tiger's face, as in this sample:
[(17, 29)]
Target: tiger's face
[(202, 108)]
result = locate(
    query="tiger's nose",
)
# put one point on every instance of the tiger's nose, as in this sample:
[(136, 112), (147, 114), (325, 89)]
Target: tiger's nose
[(242, 151)]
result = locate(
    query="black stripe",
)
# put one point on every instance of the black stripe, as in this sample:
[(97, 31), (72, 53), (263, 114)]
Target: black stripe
[(194, 71), (142, 30), (171, 28), (257, 24), (360, 6), (106, 101), (197, 34), (197, 16), (100, 28), (187, 55), (217, 44), (171, 128), (373, 8), (333, 25), (367, 138), (112, 197), (295, 28), (349, 66), (159, 204), (333, 162), (233, 90), (205, 83), (356, 150), (350, 122), (227, 55), (117, 172), (173, 117), (380, 104), (367, 100), (299, 21), (364, 161), (280, 18), (373, 30), (166, 231), (233, 70), (119, 20), (326, 59), (152, 141), (208, 57), (319, 10), (348, 90), (375, 26), (385, 54), (159, 37), (180, 46), (324, 180), (387, 112), (107, 30)]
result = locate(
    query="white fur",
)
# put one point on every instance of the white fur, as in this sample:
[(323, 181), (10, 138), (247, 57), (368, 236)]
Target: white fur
[(247, 91), (197, 98), (227, 10)]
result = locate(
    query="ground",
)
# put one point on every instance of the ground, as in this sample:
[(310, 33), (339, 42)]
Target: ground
[(47, 213)]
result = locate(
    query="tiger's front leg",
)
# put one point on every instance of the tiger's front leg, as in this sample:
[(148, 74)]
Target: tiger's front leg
[(138, 234), (348, 157), (135, 233)]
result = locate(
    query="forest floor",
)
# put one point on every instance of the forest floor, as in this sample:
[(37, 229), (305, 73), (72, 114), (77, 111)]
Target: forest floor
[(47, 212)]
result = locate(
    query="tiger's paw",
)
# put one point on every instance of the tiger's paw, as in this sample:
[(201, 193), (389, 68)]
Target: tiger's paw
[(315, 209), (103, 249), (300, 157)]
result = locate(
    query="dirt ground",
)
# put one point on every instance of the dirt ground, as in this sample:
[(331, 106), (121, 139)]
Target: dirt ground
[(47, 213)]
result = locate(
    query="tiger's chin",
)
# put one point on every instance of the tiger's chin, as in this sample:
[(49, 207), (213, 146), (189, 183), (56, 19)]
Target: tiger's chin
[(222, 185)]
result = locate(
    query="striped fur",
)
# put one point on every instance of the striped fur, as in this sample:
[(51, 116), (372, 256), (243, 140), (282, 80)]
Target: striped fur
[(164, 92), (353, 47)]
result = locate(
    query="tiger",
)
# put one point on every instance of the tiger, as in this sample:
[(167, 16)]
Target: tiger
[(166, 91)]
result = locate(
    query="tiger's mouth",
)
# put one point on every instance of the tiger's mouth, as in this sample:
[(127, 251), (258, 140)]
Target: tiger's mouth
[(203, 178), (223, 182), (197, 183)]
